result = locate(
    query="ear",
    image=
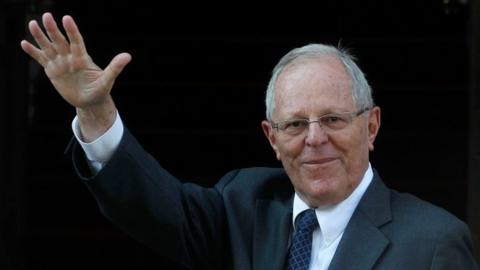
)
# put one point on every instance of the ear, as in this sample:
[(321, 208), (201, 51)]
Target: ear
[(268, 131), (373, 126)]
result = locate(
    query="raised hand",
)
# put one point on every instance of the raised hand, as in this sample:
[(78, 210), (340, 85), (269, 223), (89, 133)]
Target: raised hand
[(73, 73), (67, 64)]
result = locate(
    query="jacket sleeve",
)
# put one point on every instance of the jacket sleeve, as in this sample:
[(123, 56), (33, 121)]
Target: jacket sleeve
[(184, 222), (454, 250)]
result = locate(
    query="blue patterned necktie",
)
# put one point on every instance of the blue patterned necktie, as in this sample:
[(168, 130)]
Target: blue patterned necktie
[(301, 248)]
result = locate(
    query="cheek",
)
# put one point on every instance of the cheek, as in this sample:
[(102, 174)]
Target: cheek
[(352, 145), (290, 149)]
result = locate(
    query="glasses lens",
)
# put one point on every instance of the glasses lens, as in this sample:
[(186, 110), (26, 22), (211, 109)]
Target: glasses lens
[(335, 121), (293, 127)]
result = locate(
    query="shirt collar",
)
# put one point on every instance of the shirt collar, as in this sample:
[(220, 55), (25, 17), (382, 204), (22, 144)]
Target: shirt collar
[(333, 219)]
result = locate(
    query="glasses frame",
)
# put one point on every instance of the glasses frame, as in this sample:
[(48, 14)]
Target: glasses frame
[(351, 116)]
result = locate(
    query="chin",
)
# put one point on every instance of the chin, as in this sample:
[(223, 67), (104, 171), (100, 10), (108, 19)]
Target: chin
[(322, 174), (324, 191)]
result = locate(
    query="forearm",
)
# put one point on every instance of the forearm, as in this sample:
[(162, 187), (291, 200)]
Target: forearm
[(143, 199)]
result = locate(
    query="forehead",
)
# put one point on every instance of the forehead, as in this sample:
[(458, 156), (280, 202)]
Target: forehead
[(313, 86)]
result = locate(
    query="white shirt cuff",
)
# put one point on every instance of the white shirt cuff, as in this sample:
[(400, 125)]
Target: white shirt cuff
[(101, 150)]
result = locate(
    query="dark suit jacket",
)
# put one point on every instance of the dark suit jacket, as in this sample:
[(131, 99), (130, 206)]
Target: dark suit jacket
[(244, 222)]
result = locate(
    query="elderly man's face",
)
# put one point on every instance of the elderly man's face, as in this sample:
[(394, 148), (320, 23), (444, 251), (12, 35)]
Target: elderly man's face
[(324, 166)]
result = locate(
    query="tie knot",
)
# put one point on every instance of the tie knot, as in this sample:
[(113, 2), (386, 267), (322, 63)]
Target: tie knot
[(306, 221)]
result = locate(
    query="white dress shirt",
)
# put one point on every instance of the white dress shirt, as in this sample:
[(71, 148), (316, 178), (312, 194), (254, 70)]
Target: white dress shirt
[(332, 220), (101, 150)]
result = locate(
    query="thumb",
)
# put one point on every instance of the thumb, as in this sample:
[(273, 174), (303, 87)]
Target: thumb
[(116, 66)]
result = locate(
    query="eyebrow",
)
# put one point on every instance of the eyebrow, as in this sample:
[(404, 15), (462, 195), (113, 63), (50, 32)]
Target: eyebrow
[(301, 115)]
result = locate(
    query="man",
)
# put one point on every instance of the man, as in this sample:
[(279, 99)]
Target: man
[(326, 209)]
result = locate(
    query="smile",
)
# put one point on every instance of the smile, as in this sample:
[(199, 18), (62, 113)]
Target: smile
[(320, 162)]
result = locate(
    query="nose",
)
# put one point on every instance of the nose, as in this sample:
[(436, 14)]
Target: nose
[(316, 135)]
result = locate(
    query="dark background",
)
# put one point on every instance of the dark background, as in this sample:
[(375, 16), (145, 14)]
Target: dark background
[(193, 96)]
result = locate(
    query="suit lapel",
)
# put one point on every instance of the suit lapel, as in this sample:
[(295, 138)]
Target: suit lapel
[(360, 247), (273, 221), (363, 242)]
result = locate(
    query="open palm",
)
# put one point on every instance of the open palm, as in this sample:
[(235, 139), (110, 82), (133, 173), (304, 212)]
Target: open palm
[(67, 64)]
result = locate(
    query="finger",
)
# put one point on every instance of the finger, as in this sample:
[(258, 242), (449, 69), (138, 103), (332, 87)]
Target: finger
[(42, 40), (116, 66), (58, 40), (34, 52), (77, 46)]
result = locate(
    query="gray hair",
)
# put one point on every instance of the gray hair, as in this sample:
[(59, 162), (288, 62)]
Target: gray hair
[(361, 91)]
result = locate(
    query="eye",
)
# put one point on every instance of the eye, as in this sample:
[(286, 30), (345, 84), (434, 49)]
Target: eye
[(295, 124), (334, 121), (331, 119)]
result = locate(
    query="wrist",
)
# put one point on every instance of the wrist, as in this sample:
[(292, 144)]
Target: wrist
[(96, 119)]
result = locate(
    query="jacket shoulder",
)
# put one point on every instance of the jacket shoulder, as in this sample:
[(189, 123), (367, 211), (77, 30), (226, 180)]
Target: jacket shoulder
[(255, 180), (431, 219)]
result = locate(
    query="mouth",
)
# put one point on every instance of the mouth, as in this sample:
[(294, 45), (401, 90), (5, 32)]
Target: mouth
[(319, 162)]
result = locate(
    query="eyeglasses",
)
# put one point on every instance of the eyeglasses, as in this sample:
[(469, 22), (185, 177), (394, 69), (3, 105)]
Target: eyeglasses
[(329, 122)]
